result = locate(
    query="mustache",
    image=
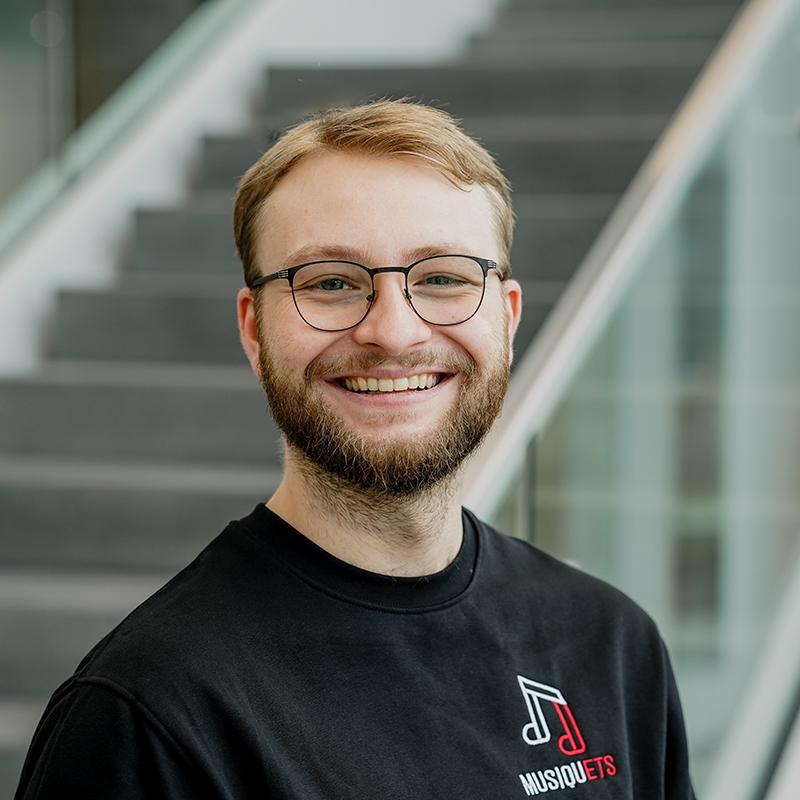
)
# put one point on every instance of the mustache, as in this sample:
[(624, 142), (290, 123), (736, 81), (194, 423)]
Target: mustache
[(321, 367)]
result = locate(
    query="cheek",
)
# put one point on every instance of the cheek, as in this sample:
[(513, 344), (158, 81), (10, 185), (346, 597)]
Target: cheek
[(490, 338), (293, 344), (481, 343), (281, 326)]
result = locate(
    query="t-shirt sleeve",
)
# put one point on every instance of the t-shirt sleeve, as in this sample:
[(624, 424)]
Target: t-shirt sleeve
[(94, 743)]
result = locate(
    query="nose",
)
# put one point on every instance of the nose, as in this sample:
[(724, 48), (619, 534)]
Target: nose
[(391, 324)]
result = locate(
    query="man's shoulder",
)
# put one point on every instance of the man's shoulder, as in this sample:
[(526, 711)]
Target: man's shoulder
[(177, 629), (562, 593), (528, 563)]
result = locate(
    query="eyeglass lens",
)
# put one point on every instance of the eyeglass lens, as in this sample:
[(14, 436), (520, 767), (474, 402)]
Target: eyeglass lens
[(335, 295)]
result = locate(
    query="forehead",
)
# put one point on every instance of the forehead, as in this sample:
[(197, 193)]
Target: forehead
[(389, 208)]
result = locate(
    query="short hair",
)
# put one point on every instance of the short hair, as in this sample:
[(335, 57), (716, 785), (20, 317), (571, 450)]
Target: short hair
[(382, 128)]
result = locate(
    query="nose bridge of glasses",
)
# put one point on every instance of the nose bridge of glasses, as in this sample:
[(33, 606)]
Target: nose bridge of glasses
[(382, 270)]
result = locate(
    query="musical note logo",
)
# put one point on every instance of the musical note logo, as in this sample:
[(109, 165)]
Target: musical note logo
[(537, 731)]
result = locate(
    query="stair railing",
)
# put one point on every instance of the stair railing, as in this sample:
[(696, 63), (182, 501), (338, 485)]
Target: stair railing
[(590, 298)]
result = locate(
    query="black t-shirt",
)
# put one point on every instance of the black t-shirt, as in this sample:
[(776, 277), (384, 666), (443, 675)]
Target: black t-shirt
[(270, 669)]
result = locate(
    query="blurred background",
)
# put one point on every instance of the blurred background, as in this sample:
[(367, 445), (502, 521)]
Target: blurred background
[(651, 434)]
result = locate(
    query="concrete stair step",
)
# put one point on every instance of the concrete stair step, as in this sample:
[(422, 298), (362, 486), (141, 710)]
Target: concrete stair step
[(554, 232), (50, 619), (640, 24), (524, 5), (589, 54), (531, 129), (19, 716), (474, 89), (186, 321), (197, 238), (170, 412), (202, 284), (120, 514), (559, 157)]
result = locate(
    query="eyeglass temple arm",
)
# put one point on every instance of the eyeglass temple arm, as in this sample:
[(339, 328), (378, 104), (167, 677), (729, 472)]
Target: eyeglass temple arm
[(283, 273)]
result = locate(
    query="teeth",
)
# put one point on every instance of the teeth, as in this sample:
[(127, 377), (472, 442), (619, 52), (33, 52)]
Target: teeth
[(423, 381)]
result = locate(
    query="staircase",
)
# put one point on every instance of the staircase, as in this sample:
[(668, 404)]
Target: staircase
[(144, 430)]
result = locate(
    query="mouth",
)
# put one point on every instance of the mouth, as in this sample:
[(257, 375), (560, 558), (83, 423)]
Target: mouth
[(425, 380)]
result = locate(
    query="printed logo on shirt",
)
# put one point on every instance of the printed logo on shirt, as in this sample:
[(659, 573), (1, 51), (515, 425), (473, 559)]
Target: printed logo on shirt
[(545, 705), (537, 730)]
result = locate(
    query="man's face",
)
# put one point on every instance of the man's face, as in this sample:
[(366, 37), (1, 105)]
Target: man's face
[(379, 212)]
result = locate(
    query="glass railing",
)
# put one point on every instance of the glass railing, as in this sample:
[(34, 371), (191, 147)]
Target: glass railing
[(60, 60), (652, 434), (31, 45)]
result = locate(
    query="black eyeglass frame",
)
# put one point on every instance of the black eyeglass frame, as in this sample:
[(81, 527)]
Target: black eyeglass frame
[(484, 263)]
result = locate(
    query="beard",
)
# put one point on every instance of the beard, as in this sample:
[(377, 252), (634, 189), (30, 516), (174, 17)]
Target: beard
[(342, 459)]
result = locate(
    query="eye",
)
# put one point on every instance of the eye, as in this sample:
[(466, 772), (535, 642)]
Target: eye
[(443, 280), (331, 285), (327, 278)]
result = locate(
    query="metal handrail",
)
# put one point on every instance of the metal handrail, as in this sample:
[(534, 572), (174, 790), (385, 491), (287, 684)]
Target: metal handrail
[(592, 295)]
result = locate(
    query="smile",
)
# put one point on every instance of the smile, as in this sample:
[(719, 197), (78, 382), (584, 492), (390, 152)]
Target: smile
[(423, 381)]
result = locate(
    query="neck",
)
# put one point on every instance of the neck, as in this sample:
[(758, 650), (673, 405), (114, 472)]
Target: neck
[(409, 535)]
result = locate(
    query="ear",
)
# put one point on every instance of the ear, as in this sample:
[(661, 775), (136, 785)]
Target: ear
[(512, 292), (248, 328)]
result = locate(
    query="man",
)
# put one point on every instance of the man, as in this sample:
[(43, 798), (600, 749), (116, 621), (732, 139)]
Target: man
[(360, 635)]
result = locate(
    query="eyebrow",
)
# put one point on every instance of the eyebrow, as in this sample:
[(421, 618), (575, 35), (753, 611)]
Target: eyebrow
[(336, 252)]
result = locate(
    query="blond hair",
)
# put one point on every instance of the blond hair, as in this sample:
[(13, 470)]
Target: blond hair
[(384, 128)]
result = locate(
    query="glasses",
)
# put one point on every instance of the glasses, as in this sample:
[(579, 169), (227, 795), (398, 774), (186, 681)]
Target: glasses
[(337, 295)]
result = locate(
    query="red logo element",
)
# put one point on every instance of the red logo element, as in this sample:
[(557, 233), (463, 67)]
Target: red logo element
[(574, 740), (571, 743)]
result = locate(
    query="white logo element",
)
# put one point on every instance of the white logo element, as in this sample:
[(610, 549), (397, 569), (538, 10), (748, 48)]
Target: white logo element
[(534, 693)]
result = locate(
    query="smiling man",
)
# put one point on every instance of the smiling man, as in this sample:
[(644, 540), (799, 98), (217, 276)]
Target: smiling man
[(360, 635)]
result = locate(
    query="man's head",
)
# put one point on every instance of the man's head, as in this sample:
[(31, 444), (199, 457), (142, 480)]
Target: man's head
[(392, 404)]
